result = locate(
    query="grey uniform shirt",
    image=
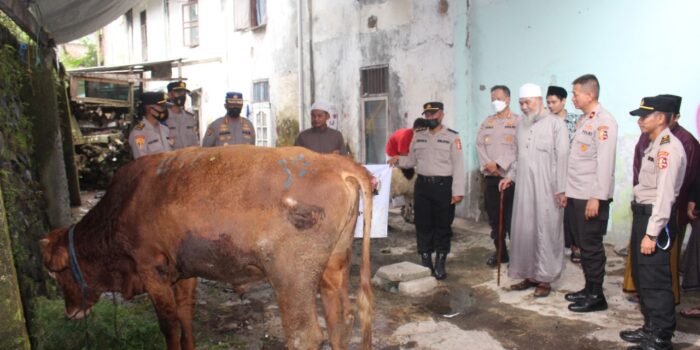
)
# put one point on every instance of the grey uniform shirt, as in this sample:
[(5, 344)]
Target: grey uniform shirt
[(496, 142), (182, 129), (324, 140), (229, 131), (660, 178), (591, 165), (438, 154), (147, 139)]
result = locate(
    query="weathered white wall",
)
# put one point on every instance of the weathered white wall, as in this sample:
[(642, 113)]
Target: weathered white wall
[(412, 37)]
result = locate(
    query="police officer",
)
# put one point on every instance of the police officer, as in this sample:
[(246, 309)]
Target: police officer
[(150, 136), (589, 190), (660, 180), (495, 145), (183, 132), (436, 153), (230, 129)]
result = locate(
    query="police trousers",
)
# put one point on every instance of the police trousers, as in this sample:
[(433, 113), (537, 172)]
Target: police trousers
[(652, 275), (433, 213), (588, 235), (492, 201)]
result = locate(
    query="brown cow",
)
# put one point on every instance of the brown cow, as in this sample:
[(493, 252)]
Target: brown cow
[(237, 214)]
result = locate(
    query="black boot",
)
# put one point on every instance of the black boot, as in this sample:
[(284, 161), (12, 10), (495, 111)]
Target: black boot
[(576, 296), (636, 336), (657, 340), (427, 261), (592, 302), (440, 273)]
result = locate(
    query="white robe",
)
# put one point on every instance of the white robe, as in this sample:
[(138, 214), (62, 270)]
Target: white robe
[(539, 172)]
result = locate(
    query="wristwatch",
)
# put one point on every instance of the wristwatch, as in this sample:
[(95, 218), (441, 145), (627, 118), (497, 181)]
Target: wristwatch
[(653, 238)]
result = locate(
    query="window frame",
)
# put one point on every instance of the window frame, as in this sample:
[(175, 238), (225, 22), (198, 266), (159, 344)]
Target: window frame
[(189, 25)]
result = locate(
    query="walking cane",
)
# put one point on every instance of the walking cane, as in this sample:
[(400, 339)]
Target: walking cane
[(500, 239)]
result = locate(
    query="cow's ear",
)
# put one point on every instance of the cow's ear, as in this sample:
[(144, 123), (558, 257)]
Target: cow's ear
[(59, 259)]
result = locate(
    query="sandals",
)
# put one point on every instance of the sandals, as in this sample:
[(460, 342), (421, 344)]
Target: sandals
[(543, 290), (524, 284), (691, 313)]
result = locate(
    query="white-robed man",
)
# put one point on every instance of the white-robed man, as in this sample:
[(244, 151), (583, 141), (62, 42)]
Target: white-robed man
[(537, 230)]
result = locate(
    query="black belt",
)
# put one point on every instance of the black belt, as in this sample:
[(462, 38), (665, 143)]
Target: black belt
[(434, 179), (642, 209)]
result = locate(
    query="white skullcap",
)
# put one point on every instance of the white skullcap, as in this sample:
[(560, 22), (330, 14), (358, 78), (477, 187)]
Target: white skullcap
[(323, 106), (530, 90)]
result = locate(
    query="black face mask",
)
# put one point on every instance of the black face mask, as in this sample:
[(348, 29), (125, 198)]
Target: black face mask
[(162, 116), (433, 123), (179, 101), (233, 112)]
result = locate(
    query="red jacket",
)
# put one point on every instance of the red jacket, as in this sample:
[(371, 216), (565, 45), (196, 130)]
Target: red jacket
[(399, 142)]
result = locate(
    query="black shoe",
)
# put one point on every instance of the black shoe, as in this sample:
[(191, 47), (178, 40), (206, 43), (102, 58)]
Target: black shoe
[(427, 261), (654, 343), (440, 273), (635, 336), (589, 304), (574, 297)]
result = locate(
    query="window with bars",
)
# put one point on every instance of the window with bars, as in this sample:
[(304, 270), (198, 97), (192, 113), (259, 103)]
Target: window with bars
[(190, 24), (261, 91), (249, 14), (375, 81)]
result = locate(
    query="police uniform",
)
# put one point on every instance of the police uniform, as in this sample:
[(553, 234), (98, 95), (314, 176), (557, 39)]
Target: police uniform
[(438, 161), (591, 174), (183, 130), (496, 142), (147, 138), (660, 180), (229, 130)]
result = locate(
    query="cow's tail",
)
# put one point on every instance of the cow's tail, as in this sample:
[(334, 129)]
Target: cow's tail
[(365, 297)]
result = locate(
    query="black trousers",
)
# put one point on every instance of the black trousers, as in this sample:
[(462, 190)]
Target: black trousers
[(652, 275), (492, 199), (588, 235), (433, 213)]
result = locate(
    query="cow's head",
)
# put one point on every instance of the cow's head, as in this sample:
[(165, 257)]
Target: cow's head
[(54, 249)]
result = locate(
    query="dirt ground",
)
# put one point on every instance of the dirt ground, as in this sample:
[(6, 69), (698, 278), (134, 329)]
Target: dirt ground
[(487, 316)]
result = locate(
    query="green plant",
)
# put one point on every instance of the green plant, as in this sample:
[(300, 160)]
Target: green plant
[(134, 326)]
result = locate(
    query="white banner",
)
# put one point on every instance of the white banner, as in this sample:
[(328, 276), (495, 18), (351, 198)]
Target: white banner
[(380, 203)]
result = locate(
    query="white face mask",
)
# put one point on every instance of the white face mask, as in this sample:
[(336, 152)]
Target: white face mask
[(498, 105)]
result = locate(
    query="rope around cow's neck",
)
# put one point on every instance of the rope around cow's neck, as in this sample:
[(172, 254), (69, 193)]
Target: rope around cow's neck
[(75, 268)]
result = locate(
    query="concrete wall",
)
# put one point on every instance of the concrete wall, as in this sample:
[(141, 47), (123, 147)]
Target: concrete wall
[(636, 48), (415, 40)]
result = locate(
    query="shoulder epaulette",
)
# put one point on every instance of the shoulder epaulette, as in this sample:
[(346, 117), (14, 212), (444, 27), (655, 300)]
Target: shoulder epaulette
[(452, 131), (139, 126), (666, 139)]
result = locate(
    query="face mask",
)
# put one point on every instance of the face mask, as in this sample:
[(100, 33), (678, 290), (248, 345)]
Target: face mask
[(498, 105), (433, 123), (180, 101), (233, 112), (161, 116)]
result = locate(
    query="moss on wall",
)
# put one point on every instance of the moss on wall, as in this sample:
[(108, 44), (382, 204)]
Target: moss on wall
[(287, 131)]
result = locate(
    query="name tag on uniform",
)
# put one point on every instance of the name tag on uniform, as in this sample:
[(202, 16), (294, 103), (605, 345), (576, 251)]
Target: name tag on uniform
[(171, 127), (247, 132), (190, 127), (421, 140), (152, 141), (224, 132), (651, 159), (443, 141)]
